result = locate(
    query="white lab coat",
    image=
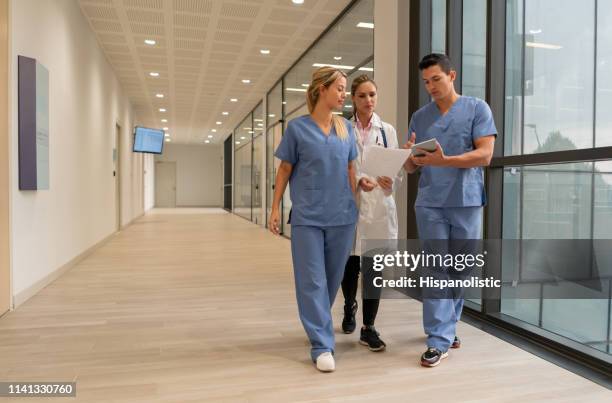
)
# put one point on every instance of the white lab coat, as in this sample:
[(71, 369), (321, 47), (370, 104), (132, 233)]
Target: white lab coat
[(377, 211)]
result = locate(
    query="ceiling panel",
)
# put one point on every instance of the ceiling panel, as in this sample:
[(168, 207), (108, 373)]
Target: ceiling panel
[(203, 50)]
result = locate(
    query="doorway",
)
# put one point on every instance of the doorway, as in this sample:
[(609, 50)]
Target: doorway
[(165, 184), (117, 176)]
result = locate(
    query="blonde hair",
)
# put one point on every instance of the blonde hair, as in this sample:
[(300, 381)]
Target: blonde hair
[(326, 76)]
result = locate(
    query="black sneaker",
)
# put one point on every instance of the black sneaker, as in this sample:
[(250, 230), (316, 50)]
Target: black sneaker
[(348, 323), (369, 337), (456, 343), (432, 357)]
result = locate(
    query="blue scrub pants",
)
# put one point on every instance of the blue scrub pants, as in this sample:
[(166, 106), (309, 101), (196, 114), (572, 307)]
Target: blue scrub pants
[(319, 255), (441, 314)]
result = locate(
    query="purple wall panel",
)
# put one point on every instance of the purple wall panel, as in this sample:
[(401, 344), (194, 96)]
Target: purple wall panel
[(27, 123)]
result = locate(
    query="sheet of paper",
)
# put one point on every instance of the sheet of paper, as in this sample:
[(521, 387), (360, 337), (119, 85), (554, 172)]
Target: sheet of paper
[(380, 161)]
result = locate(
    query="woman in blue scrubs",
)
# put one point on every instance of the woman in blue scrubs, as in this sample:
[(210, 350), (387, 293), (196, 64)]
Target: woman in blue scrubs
[(451, 187), (317, 153)]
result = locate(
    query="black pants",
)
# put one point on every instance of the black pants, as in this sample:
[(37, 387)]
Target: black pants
[(349, 290)]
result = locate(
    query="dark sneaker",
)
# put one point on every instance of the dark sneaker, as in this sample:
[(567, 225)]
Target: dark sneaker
[(432, 357), (348, 323), (369, 337), (456, 343)]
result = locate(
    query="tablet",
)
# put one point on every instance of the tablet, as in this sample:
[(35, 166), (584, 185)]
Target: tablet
[(429, 145)]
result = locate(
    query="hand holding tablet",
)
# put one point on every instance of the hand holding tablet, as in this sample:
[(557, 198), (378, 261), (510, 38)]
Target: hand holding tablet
[(428, 145)]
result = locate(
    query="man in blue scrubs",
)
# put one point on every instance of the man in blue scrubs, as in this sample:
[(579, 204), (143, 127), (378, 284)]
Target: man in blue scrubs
[(451, 186)]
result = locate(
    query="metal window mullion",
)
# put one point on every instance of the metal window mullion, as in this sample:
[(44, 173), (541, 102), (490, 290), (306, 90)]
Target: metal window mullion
[(454, 37)]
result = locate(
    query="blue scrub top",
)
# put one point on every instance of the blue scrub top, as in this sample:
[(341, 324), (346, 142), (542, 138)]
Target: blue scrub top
[(320, 191), (468, 119)]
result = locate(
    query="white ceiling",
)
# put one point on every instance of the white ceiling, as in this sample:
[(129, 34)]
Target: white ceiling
[(204, 49)]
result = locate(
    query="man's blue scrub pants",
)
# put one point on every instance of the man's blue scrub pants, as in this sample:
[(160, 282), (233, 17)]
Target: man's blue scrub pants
[(319, 256), (440, 315)]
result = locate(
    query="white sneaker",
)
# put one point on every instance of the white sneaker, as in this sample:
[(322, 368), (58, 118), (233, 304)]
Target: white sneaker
[(325, 362)]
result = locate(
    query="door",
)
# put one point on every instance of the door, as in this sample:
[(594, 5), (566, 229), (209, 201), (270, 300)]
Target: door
[(227, 173), (117, 175), (165, 184)]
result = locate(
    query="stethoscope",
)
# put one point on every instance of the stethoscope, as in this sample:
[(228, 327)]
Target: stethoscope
[(382, 131)]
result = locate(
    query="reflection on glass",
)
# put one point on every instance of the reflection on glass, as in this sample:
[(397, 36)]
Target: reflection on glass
[(603, 135), (564, 201), (474, 53), (438, 26), (551, 73)]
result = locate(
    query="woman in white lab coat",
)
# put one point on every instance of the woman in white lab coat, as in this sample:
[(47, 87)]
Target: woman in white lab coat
[(377, 211)]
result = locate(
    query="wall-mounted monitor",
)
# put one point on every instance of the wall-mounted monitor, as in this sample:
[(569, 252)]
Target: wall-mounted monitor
[(148, 140)]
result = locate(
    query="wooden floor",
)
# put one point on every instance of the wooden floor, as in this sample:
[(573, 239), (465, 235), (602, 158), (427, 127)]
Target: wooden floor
[(196, 307)]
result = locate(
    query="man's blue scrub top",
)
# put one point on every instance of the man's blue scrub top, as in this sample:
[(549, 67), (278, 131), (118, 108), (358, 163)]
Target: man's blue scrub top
[(319, 185), (468, 119)]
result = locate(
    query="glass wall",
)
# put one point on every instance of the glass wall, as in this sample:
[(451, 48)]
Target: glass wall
[(258, 184), (474, 52), (551, 71), (438, 26), (243, 165), (557, 87), (555, 63), (344, 45), (274, 129)]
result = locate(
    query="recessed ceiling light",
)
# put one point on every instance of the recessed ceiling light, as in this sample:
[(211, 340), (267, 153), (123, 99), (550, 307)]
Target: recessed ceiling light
[(296, 89), (543, 45), (337, 57), (336, 66), (214, 130), (154, 74), (369, 25), (159, 95), (264, 51), (246, 81), (297, 1), (164, 120), (225, 113), (167, 134), (233, 99), (219, 123), (251, 132), (150, 42), (210, 136), (168, 140), (348, 106), (165, 128), (207, 141), (162, 109), (260, 124), (305, 85), (284, 102), (242, 138), (271, 115), (237, 142)]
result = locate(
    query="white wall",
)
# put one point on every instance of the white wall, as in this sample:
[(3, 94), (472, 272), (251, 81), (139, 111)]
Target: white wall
[(149, 181), (52, 227), (199, 174)]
